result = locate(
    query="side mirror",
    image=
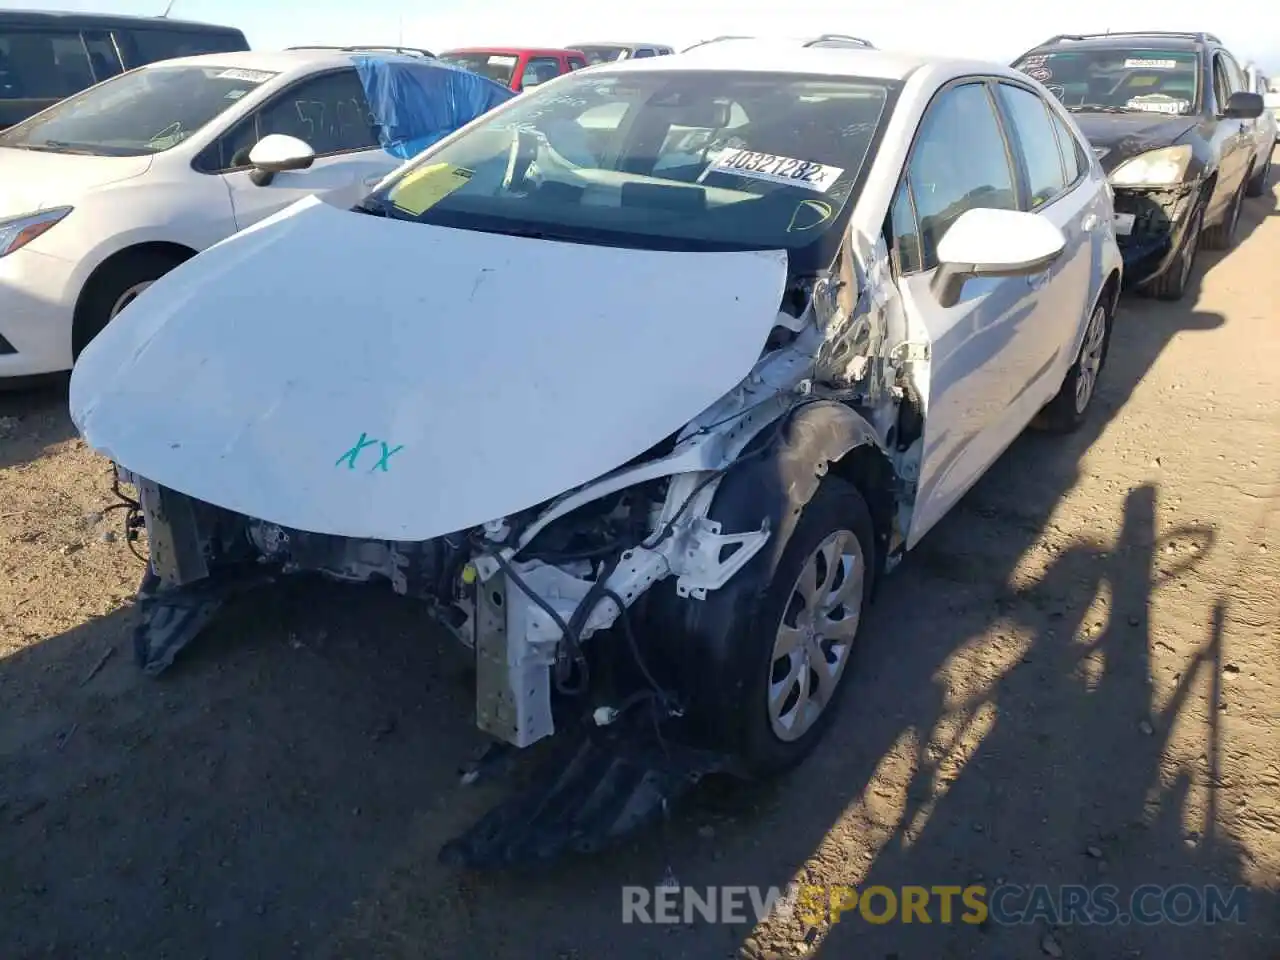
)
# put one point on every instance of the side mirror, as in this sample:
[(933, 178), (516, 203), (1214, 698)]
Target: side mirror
[(277, 153), (1243, 105), (993, 243)]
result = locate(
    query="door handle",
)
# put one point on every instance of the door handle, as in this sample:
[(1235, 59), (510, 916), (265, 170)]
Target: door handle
[(1038, 280), (372, 181), (1089, 223)]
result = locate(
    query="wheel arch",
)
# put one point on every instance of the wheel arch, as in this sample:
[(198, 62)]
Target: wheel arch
[(820, 441), (178, 251)]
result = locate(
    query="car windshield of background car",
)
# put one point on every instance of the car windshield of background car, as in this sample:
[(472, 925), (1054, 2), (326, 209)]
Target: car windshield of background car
[(138, 113), (1120, 79)]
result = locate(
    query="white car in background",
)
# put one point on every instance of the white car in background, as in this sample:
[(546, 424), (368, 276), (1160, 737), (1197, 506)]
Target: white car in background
[(1266, 129), (715, 365), (108, 190)]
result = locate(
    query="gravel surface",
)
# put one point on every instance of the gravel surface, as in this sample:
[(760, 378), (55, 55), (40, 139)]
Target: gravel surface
[(1073, 680)]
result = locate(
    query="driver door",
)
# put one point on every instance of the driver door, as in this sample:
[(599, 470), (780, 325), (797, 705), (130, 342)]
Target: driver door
[(330, 113), (983, 350)]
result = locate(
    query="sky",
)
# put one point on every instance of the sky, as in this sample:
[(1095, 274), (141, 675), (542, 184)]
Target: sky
[(985, 29)]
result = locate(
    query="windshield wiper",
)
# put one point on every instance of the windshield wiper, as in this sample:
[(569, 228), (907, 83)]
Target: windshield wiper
[(375, 208), (1101, 108), (56, 146)]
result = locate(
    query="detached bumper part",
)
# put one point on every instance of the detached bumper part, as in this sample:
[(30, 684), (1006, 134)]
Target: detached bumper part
[(1160, 218), (609, 784)]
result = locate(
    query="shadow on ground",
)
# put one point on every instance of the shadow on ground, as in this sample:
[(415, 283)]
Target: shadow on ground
[(33, 419), (284, 792)]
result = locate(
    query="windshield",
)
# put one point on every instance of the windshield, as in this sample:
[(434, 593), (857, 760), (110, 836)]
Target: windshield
[(596, 53), (1121, 79), (498, 67), (142, 112), (670, 160)]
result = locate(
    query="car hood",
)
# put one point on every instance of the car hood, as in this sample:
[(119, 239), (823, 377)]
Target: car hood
[(348, 374), (35, 179), (1117, 137)]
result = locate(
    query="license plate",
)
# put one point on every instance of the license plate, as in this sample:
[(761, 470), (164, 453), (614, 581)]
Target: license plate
[(1124, 224)]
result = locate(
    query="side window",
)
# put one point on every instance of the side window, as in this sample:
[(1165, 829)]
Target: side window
[(1221, 85), (151, 45), (1074, 160), (538, 71), (43, 65), (959, 162), (329, 112), (904, 238), (576, 63), (1235, 77), (1033, 130), (643, 52), (102, 54)]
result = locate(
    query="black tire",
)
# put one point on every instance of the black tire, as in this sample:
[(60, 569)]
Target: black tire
[(1065, 412), (1176, 279), (106, 288), (1222, 236), (1258, 182), (737, 694)]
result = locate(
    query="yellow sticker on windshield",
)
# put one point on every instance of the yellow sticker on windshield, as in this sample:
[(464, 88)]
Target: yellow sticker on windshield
[(422, 189)]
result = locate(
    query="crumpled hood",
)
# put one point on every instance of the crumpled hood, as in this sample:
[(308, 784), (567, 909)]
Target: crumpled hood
[(348, 374), (31, 180), (1117, 137)]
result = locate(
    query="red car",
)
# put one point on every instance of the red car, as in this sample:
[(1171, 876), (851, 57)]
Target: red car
[(519, 68)]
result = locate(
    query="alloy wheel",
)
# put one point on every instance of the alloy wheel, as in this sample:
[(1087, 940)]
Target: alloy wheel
[(1090, 364), (127, 298)]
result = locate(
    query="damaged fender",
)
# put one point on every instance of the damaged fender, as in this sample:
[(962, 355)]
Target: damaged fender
[(690, 641)]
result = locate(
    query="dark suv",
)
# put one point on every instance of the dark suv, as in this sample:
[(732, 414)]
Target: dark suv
[(47, 56), (1171, 118)]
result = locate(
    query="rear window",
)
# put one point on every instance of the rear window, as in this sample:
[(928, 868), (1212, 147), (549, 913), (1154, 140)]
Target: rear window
[(498, 67), (602, 54), (42, 65)]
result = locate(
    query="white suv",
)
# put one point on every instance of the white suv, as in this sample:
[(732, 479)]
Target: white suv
[(110, 189)]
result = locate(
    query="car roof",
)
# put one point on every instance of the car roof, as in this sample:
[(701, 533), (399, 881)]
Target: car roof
[(791, 56), (516, 51), (61, 18), (1155, 41), (283, 61), (621, 44)]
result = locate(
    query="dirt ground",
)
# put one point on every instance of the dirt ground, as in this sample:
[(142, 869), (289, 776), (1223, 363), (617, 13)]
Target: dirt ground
[(1074, 680)]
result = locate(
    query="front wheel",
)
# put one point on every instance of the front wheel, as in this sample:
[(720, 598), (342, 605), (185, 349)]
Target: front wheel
[(1221, 236), (1173, 284), (794, 650), (1258, 184), (115, 287)]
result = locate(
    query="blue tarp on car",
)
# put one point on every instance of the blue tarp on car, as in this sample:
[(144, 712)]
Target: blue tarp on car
[(416, 102)]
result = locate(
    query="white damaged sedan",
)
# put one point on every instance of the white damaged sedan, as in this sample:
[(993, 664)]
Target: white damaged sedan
[(640, 381)]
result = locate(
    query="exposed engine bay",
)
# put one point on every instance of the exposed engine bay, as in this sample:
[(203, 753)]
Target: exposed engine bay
[(528, 592)]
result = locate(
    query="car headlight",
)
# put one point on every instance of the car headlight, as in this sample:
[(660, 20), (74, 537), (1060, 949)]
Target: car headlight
[(1156, 168), (17, 232)]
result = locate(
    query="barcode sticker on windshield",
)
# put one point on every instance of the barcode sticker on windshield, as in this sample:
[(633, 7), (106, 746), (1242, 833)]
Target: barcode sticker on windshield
[(765, 166), (1151, 64), (248, 76)]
